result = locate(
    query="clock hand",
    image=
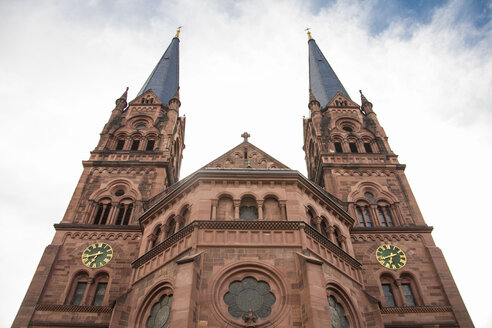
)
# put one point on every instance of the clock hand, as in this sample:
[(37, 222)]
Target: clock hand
[(391, 255)]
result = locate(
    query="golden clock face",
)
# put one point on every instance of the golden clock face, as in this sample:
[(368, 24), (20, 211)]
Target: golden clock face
[(97, 255), (391, 256)]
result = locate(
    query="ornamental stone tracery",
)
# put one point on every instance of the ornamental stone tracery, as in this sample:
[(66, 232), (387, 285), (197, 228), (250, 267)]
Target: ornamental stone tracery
[(249, 295)]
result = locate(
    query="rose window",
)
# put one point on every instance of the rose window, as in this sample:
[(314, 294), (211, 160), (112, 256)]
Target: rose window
[(159, 316), (249, 294)]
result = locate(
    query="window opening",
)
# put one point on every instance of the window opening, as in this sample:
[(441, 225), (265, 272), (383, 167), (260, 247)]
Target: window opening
[(353, 147), (157, 237), (368, 195), (98, 214), (150, 145), (337, 314), (78, 295), (364, 216), (121, 213), (99, 295), (338, 147), (128, 214), (119, 192), (408, 294), (120, 144), (388, 295), (367, 147), (385, 217), (347, 128), (172, 227), (106, 213), (135, 144)]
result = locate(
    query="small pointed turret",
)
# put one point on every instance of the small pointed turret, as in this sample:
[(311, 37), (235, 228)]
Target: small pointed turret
[(323, 81), (164, 79), (366, 105), (121, 101), (174, 102)]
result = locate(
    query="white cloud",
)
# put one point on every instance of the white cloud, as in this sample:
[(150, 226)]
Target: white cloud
[(243, 68)]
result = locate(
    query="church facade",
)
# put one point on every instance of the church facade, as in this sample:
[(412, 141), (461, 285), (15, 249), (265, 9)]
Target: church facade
[(244, 241)]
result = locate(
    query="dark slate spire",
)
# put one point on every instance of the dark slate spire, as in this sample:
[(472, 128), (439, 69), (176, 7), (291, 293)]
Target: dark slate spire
[(164, 79), (323, 81)]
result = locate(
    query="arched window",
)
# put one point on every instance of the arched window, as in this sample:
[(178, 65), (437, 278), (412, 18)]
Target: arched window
[(271, 209), (338, 237), (125, 209), (385, 216), (185, 217), (248, 210), (310, 216), (225, 208), (98, 289), (102, 211), (150, 145), (120, 143), (156, 238), (410, 291), (324, 227), (171, 227), (364, 215), (78, 288), (342, 311)]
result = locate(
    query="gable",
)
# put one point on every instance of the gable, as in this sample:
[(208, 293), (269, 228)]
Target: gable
[(246, 155), (339, 100), (147, 98)]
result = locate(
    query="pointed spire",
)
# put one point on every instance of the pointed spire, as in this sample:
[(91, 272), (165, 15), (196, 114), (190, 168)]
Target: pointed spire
[(323, 81), (121, 101), (164, 79), (366, 104)]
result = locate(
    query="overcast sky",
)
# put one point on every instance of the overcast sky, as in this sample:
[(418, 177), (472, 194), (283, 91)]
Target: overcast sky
[(425, 65)]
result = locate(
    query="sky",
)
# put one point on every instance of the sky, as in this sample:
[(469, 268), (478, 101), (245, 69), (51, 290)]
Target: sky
[(425, 65)]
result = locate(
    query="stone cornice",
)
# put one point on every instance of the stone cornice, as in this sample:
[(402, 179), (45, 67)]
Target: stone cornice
[(371, 230), (73, 308), (129, 163), (95, 227)]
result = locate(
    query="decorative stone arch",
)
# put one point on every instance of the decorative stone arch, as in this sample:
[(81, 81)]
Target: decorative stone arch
[(343, 123), (100, 277), (136, 121), (156, 235), (261, 272), (152, 297), (350, 309), (340, 239), (80, 275), (358, 190), (110, 188)]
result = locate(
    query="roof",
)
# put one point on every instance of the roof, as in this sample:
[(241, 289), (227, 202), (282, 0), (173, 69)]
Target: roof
[(323, 81), (164, 79)]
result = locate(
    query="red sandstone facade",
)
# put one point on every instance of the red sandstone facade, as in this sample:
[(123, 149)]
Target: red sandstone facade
[(245, 232)]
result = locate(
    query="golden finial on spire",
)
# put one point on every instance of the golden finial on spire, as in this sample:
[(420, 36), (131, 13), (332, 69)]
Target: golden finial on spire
[(178, 31), (308, 33)]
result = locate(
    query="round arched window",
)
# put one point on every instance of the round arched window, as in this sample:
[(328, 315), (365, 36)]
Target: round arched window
[(159, 315)]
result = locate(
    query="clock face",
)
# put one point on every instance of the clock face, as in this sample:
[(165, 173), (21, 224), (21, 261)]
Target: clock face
[(97, 255), (391, 256)]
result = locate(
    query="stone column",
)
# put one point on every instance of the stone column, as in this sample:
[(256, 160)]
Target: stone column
[(237, 203), (373, 211), (259, 203), (283, 209), (331, 234), (215, 203), (317, 223)]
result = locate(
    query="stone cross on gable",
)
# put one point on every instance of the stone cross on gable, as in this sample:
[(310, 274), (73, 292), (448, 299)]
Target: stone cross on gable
[(245, 135)]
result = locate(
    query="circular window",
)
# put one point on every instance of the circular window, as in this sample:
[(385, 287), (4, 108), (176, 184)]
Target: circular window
[(140, 127), (119, 192), (347, 128), (249, 295), (368, 195)]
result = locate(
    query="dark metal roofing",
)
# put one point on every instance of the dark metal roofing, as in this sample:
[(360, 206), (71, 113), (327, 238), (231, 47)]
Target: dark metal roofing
[(323, 81), (164, 79)]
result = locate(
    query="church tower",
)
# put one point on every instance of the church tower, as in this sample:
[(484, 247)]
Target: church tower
[(137, 157), (348, 154), (245, 241)]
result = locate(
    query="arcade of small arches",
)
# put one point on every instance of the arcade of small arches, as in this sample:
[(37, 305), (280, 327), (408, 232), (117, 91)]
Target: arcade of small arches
[(373, 206), (113, 205), (134, 142), (168, 227), (327, 229), (248, 208)]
